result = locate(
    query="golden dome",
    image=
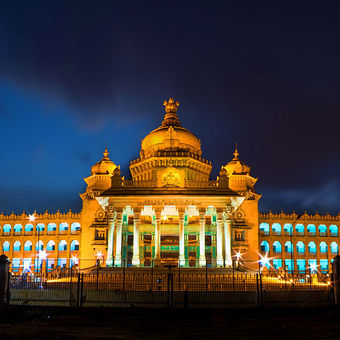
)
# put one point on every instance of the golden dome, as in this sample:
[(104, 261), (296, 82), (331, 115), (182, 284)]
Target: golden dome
[(104, 166), (236, 166), (170, 136)]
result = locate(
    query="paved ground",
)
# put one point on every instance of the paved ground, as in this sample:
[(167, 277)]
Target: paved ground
[(303, 323)]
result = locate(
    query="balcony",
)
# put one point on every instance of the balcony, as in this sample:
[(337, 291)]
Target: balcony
[(323, 233), (6, 233), (28, 233), (311, 233)]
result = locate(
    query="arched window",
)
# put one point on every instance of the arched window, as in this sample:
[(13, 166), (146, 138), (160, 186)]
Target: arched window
[(312, 248), (288, 229), (28, 228), (322, 230), (264, 246), (311, 230), (300, 247), (17, 246), (264, 228), (75, 226), (277, 248), (50, 246), (288, 247), (6, 246), (40, 227), (300, 229), (323, 247), (6, 229), (333, 229), (51, 227), (17, 229), (28, 246), (39, 245), (334, 248), (276, 228), (63, 227), (74, 245), (62, 245)]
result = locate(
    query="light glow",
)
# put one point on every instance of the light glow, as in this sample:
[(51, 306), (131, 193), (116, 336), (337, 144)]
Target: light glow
[(31, 218), (42, 254), (313, 267), (99, 255), (74, 259), (265, 260)]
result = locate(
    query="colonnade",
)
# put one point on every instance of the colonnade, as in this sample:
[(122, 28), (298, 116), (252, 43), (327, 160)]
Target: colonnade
[(223, 238)]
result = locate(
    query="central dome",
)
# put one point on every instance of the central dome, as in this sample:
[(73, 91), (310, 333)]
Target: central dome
[(170, 136)]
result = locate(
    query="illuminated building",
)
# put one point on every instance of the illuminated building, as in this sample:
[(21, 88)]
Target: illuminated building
[(170, 212)]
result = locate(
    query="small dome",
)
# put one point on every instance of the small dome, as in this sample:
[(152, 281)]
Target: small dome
[(105, 166), (171, 135), (236, 166)]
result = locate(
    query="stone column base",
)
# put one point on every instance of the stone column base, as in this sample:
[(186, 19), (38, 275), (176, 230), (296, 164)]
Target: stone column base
[(136, 261)]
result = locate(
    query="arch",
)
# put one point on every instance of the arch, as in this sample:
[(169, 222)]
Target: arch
[(74, 245), (28, 228), (322, 230), (300, 247), (28, 246), (311, 229), (17, 246), (75, 226), (300, 229), (39, 245), (288, 229), (7, 228), (323, 247), (17, 228), (312, 247), (40, 227), (6, 246), (62, 245), (288, 247), (63, 226), (51, 227), (264, 228), (277, 248), (264, 246), (276, 228), (334, 248), (50, 245), (333, 229)]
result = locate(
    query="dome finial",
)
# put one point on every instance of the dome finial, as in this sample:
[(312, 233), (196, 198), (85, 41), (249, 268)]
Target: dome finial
[(236, 153), (171, 118), (106, 153)]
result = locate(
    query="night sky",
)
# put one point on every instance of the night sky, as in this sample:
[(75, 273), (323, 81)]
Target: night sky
[(75, 75)]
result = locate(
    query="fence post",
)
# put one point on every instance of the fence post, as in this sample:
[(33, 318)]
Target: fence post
[(186, 299), (81, 290), (170, 290), (78, 291), (4, 282), (336, 279)]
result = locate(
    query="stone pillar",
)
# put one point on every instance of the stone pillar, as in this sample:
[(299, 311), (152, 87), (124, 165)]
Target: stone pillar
[(219, 239), (227, 243), (119, 232), (202, 260), (136, 223), (181, 259), (157, 259), (110, 234)]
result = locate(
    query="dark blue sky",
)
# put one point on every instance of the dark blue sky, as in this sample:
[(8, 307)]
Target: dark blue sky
[(75, 75)]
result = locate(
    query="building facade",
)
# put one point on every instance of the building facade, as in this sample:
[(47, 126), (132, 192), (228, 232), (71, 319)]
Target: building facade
[(169, 213)]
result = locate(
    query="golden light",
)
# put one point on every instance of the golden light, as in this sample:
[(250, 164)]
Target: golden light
[(27, 267), (165, 217), (31, 218)]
